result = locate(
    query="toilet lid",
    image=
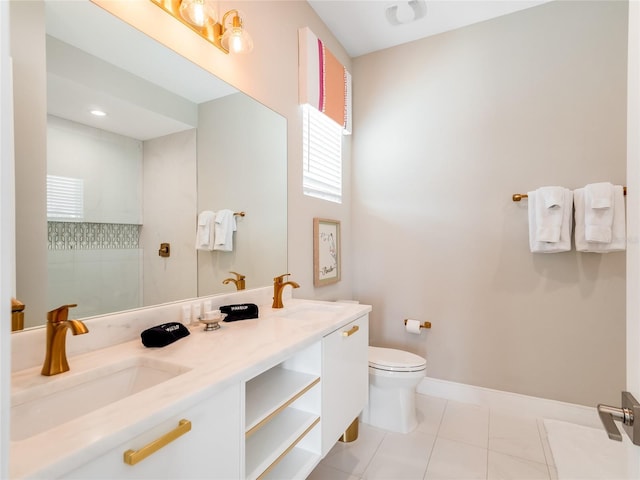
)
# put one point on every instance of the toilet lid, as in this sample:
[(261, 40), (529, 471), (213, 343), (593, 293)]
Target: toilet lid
[(394, 360)]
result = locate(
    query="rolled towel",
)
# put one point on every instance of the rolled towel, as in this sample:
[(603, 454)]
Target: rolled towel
[(598, 212)]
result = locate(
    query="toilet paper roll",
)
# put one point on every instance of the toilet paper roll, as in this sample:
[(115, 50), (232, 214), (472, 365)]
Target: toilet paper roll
[(412, 326)]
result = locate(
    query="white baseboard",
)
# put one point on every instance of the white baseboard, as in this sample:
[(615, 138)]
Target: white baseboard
[(510, 403)]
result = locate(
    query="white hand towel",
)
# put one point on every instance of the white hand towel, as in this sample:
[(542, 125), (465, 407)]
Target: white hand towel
[(598, 195), (205, 230), (618, 230), (564, 242), (225, 225), (549, 213), (598, 212)]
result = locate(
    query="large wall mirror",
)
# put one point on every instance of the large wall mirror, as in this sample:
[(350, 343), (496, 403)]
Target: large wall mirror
[(175, 142)]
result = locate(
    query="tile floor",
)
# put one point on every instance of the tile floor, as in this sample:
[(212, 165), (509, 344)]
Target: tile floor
[(453, 440)]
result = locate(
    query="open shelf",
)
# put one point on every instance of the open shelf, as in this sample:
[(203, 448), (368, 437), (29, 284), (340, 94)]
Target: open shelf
[(271, 392), (268, 445), (298, 463)]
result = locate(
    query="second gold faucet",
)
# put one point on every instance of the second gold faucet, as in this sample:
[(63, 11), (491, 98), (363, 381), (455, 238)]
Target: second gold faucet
[(239, 281), (278, 287)]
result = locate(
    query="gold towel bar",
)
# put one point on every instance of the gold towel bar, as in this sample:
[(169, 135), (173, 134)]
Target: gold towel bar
[(519, 196), (239, 214), (422, 325)]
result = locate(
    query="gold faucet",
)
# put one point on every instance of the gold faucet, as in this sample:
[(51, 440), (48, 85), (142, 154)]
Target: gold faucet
[(57, 324), (278, 287), (238, 281)]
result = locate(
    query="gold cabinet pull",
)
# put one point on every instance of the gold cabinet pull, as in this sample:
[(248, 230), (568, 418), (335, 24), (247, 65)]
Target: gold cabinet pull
[(131, 457), (351, 331)]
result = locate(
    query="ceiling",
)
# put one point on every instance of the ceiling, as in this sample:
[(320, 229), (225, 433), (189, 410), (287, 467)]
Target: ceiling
[(362, 26)]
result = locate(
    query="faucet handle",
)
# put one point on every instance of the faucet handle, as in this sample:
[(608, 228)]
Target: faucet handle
[(280, 278), (60, 314), (628, 415), (239, 276)]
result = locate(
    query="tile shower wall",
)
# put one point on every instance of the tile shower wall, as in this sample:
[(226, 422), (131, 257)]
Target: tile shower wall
[(83, 236), (97, 263), (109, 165), (169, 212), (94, 265)]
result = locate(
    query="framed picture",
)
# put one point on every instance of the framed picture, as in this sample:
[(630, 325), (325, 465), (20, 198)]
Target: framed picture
[(326, 251)]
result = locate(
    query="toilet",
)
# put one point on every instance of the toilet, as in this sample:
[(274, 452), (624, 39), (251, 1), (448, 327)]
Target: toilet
[(393, 377)]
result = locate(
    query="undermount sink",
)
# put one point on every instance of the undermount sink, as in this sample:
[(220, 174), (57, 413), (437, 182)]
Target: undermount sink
[(70, 395)]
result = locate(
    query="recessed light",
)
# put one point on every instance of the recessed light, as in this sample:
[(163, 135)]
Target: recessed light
[(98, 113)]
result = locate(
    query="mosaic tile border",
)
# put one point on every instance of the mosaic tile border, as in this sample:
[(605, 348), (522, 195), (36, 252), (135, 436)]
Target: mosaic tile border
[(92, 236)]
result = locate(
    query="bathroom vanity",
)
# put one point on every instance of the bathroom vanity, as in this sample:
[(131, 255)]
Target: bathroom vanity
[(260, 398)]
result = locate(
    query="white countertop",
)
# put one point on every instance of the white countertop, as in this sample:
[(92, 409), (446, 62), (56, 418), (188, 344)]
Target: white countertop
[(236, 352)]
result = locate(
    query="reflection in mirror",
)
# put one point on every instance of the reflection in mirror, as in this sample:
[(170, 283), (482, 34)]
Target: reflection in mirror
[(174, 141)]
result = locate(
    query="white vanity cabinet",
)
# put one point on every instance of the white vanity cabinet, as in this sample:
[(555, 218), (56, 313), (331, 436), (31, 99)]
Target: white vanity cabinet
[(345, 378), (272, 409), (282, 416), (211, 449)]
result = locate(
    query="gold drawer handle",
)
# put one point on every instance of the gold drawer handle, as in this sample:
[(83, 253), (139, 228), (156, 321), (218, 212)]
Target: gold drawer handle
[(351, 331), (131, 457)]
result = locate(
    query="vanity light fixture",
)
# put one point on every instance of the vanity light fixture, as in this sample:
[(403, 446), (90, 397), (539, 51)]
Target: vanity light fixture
[(197, 12), (235, 38), (229, 35)]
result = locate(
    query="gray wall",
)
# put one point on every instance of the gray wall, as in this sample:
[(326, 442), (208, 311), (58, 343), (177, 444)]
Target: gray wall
[(242, 167), (446, 129)]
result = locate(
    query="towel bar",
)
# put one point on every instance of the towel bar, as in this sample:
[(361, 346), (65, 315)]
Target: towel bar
[(519, 196)]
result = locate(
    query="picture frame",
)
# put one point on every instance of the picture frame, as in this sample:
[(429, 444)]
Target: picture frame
[(326, 252)]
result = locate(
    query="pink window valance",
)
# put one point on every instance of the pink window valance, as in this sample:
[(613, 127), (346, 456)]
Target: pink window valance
[(324, 82)]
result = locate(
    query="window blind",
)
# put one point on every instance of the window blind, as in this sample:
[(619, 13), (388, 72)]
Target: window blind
[(65, 198), (322, 156)]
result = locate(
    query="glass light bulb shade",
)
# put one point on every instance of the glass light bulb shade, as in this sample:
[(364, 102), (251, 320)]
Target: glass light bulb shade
[(237, 40), (197, 12)]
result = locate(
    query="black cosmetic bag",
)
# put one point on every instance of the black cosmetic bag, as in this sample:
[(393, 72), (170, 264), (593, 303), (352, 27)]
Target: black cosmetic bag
[(163, 335), (240, 311)]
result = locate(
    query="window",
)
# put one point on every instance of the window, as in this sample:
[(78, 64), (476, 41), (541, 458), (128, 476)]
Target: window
[(65, 198), (322, 156)]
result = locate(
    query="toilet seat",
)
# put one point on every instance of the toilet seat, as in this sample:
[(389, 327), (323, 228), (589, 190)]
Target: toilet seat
[(392, 360)]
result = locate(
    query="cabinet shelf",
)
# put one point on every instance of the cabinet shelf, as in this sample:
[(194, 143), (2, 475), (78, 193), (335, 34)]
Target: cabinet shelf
[(275, 439), (298, 463), (271, 392)]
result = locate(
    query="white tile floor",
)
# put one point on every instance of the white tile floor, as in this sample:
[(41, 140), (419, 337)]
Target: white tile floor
[(453, 441)]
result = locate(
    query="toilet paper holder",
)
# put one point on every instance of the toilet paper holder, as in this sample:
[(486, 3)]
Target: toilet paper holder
[(422, 324)]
